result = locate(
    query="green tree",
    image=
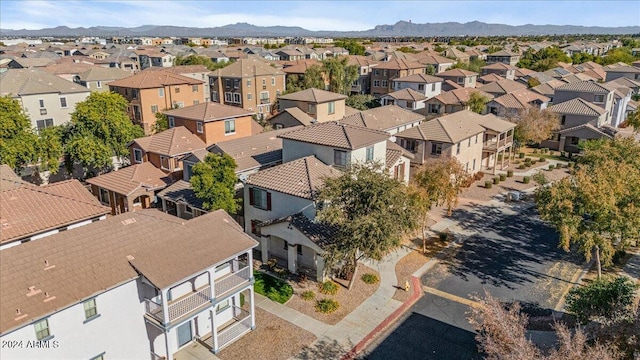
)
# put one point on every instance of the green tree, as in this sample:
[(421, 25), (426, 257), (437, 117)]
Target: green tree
[(534, 125), (407, 49), (340, 74), (200, 60), (605, 299), (633, 120), (617, 55), (18, 141), (430, 70), (214, 182), (49, 149), (313, 78), (369, 209), (362, 101), (354, 47), (100, 129), (162, 122), (442, 180), (477, 102)]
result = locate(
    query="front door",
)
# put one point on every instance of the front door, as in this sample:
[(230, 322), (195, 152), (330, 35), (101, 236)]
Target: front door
[(184, 334)]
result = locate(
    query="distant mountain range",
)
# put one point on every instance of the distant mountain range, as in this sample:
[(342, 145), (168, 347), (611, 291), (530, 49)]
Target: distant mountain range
[(401, 28)]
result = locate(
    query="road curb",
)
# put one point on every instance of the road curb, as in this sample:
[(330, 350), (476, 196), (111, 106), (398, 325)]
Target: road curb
[(417, 293)]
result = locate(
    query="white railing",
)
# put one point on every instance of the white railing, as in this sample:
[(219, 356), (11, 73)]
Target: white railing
[(232, 280), (154, 309), (237, 329), (155, 356), (189, 303)]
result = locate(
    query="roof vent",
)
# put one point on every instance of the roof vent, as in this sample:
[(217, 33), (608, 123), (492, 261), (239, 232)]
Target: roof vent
[(33, 291), (128, 221), (47, 266), (18, 312), (130, 257), (225, 220)]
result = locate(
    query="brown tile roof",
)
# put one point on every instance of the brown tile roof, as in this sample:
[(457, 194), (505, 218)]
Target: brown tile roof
[(182, 192), (457, 72), (399, 64), (33, 62), (491, 77), (520, 99), (91, 259), (492, 122), (29, 210), (293, 114), (9, 179), (407, 94), (302, 177), (450, 128), (499, 66), (171, 142), (181, 69), (36, 81), (520, 72), (318, 232), (360, 61), (209, 111), (584, 86), (250, 67), (429, 58), (337, 135), (577, 106), (383, 118), (503, 86), (504, 53), (313, 95), (394, 152), (459, 96), (68, 68), (449, 85), (419, 78), (548, 88), (154, 79), (99, 73), (131, 178), (587, 126), (300, 66)]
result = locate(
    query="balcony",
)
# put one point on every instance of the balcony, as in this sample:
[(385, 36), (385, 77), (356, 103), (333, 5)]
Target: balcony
[(265, 101), (232, 330), (495, 144), (231, 281)]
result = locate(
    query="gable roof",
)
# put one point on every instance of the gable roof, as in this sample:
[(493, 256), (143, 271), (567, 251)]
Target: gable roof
[(98, 73), (36, 81), (503, 86), (584, 86), (504, 53), (499, 66), (318, 232), (548, 88), (293, 114), (457, 72), (395, 152), (249, 67), (338, 135), (419, 78), (131, 178), (399, 64), (302, 177), (450, 128), (209, 111), (174, 141), (494, 123), (406, 94), (459, 96), (313, 95), (383, 118), (182, 192), (92, 259), (520, 72), (154, 79), (586, 126), (520, 99), (490, 77), (9, 179), (28, 209), (577, 106)]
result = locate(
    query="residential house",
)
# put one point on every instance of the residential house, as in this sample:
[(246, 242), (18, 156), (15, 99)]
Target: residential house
[(385, 72), (158, 297), (96, 79), (251, 84), (590, 91), (522, 72), (69, 70), (291, 117), (517, 101), (149, 92), (196, 72), (214, 122), (390, 118), (153, 58), (459, 56), (130, 188), (501, 87), (319, 104), (475, 54), (437, 62), (29, 63), (451, 101), (427, 85), (507, 71), (46, 99), (166, 149), (497, 146), (503, 56), (406, 98), (365, 66), (548, 89), (464, 78), (31, 212), (616, 71), (621, 97)]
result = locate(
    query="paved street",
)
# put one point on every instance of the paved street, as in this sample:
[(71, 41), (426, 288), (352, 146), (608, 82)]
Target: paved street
[(507, 252)]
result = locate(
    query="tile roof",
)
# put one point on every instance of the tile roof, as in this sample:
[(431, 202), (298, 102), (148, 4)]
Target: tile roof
[(313, 95), (9, 179), (249, 67), (174, 141), (99, 73), (407, 94), (419, 78), (520, 99), (256, 151), (503, 86), (301, 178), (337, 135), (63, 68), (548, 88), (450, 128), (587, 126), (28, 209), (622, 69), (395, 152), (457, 72), (577, 106), (503, 53), (399, 64), (131, 178), (181, 69), (520, 72), (624, 81), (494, 123), (459, 96), (209, 111), (300, 66), (319, 233), (499, 66), (36, 81), (491, 77), (382, 118), (91, 259), (360, 61), (182, 192), (293, 114), (154, 79), (33, 62), (584, 86)]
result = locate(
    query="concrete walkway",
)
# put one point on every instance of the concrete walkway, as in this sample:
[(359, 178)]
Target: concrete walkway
[(534, 170)]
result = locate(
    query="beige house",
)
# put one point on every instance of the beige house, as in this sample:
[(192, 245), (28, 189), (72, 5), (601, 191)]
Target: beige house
[(385, 72), (501, 87), (517, 101), (319, 104), (507, 71), (390, 118), (406, 98), (97, 79), (461, 77), (451, 101)]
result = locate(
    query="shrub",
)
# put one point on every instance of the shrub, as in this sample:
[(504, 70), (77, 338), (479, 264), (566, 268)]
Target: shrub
[(526, 179), (479, 175), (328, 287), (488, 184), (308, 295), (551, 167), (522, 166), (545, 150), (521, 155), (551, 152), (563, 154), (618, 257), (606, 299), (535, 151), (271, 287), (527, 160), (327, 306), (496, 180), (571, 164), (542, 160), (370, 279), (509, 173), (503, 177)]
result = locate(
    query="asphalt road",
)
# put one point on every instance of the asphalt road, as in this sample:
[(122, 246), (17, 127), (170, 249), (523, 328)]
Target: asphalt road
[(512, 255)]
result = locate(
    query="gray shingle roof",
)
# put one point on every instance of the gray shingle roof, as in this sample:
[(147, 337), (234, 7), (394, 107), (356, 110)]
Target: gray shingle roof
[(577, 106), (182, 192)]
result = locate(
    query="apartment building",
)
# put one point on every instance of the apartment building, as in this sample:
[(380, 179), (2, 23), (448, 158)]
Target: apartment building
[(251, 84), (129, 287), (149, 92)]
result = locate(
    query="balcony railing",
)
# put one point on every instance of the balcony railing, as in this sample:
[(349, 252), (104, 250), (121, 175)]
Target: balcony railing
[(154, 309), (188, 303), (240, 324), (155, 356), (231, 281), (265, 101)]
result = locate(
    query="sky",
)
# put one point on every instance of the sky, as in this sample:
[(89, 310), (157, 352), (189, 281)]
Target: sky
[(312, 15)]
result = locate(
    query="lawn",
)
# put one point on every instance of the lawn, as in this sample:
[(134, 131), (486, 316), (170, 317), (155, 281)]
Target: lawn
[(274, 289)]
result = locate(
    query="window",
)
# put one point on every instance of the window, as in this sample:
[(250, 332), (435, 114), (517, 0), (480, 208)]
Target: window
[(436, 148), (189, 171), (255, 229), (178, 104), (194, 88), (223, 306), (104, 196), (264, 82), (90, 308), (598, 99), (299, 249), (312, 109), (236, 83), (332, 107), (460, 80), (236, 98), (563, 119), (196, 102), (177, 90), (188, 209), (409, 144), (99, 357), (476, 138), (433, 87), (273, 81), (99, 84), (42, 329), (154, 108), (376, 72), (248, 82), (161, 92), (230, 126), (227, 83), (63, 102), (41, 124), (385, 73), (164, 162), (199, 127), (376, 83), (260, 199), (369, 153), (134, 93), (172, 122), (137, 155), (434, 108), (340, 157), (249, 97), (420, 86), (228, 97), (469, 144), (458, 148), (286, 245), (474, 164), (385, 83)]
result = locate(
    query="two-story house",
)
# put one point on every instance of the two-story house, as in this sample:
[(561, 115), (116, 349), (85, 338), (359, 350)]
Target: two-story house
[(507, 71), (616, 71), (196, 72), (463, 78), (503, 56), (385, 72), (149, 92), (46, 99), (365, 66), (390, 118), (501, 87), (129, 287), (590, 91), (427, 85), (406, 98), (214, 122), (96, 79), (452, 101), (321, 105), (516, 101), (251, 84)]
